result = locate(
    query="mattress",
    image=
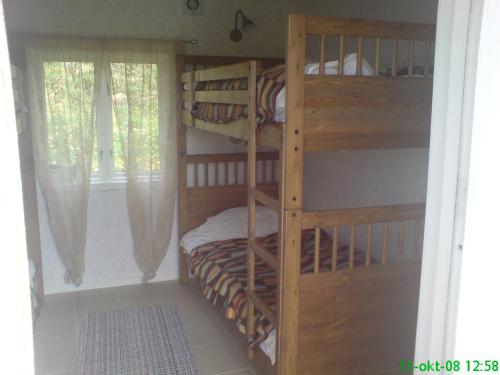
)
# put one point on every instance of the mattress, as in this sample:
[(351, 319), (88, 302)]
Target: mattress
[(271, 93), (221, 268)]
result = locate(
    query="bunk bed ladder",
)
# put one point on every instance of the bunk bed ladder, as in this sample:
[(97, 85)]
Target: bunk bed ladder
[(256, 196)]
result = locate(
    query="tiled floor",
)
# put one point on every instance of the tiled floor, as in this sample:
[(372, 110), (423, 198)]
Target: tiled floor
[(57, 327)]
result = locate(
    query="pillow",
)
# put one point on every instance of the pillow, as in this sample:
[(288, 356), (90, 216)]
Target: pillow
[(230, 224)]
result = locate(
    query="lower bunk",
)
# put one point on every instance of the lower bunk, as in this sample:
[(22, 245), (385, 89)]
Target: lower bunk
[(356, 315), (217, 254)]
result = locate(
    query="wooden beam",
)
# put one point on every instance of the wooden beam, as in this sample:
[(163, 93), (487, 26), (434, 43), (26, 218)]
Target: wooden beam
[(252, 182), (240, 70), (352, 27), (291, 199), (264, 254), (262, 307), (182, 175), (265, 199), (223, 96), (365, 215)]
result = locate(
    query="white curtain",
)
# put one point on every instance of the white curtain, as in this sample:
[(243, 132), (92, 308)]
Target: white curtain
[(136, 117), (142, 79), (63, 92)]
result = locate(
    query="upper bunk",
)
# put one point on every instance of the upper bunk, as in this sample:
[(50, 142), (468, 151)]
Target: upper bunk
[(370, 88)]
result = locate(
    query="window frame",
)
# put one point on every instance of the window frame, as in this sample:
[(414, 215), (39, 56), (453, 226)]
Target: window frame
[(107, 177)]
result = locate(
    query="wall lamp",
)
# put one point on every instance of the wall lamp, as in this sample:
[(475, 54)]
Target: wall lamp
[(236, 34)]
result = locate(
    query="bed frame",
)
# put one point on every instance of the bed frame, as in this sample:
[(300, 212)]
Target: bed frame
[(360, 320)]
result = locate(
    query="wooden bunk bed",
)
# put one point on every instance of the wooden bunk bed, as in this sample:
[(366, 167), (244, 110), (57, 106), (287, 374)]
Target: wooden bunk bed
[(360, 319)]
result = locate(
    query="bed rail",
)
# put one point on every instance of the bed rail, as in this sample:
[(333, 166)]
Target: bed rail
[(389, 109), (212, 183), (395, 224), (239, 129)]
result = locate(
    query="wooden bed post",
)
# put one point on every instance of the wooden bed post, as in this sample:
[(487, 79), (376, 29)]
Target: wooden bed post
[(182, 173), (292, 155)]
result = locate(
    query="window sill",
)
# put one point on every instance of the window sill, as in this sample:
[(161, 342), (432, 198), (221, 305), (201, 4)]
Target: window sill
[(118, 184), (108, 185)]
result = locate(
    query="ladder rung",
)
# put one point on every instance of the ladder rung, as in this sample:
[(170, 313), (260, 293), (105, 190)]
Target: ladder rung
[(265, 199), (262, 307), (263, 253)]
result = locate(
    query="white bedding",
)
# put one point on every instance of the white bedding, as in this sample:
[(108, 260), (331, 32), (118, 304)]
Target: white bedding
[(230, 224), (331, 68)]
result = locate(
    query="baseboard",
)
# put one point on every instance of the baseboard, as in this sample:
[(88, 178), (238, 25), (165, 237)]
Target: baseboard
[(106, 283)]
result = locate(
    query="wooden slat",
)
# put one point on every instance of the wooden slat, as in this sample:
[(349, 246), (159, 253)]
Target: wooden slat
[(394, 57), (341, 55), (335, 248), (250, 303), (359, 60), (367, 215), (291, 196), (352, 27), (181, 175), (262, 307), (241, 70), (270, 136), (317, 241), (377, 56), (401, 240), (339, 142), (385, 240), (263, 254), (226, 172), (206, 174), (366, 112), (322, 56), (216, 174), (196, 175), (351, 247), (369, 245), (225, 96), (310, 281), (252, 183), (265, 199)]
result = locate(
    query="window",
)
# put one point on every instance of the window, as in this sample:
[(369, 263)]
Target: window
[(127, 94)]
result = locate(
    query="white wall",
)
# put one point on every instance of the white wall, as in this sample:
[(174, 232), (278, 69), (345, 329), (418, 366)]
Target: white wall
[(394, 177), (165, 19), (364, 178)]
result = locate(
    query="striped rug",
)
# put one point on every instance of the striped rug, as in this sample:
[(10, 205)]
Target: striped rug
[(145, 341)]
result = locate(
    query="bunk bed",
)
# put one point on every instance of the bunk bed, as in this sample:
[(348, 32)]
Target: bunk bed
[(351, 307)]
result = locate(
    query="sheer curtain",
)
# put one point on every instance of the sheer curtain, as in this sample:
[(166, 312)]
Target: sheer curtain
[(63, 90), (142, 79)]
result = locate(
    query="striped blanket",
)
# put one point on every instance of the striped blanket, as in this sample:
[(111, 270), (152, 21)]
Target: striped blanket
[(221, 268), (269, 84)]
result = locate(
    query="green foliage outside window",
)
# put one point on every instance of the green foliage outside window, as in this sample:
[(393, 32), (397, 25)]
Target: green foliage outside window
[(69, 94), (135, 116)]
